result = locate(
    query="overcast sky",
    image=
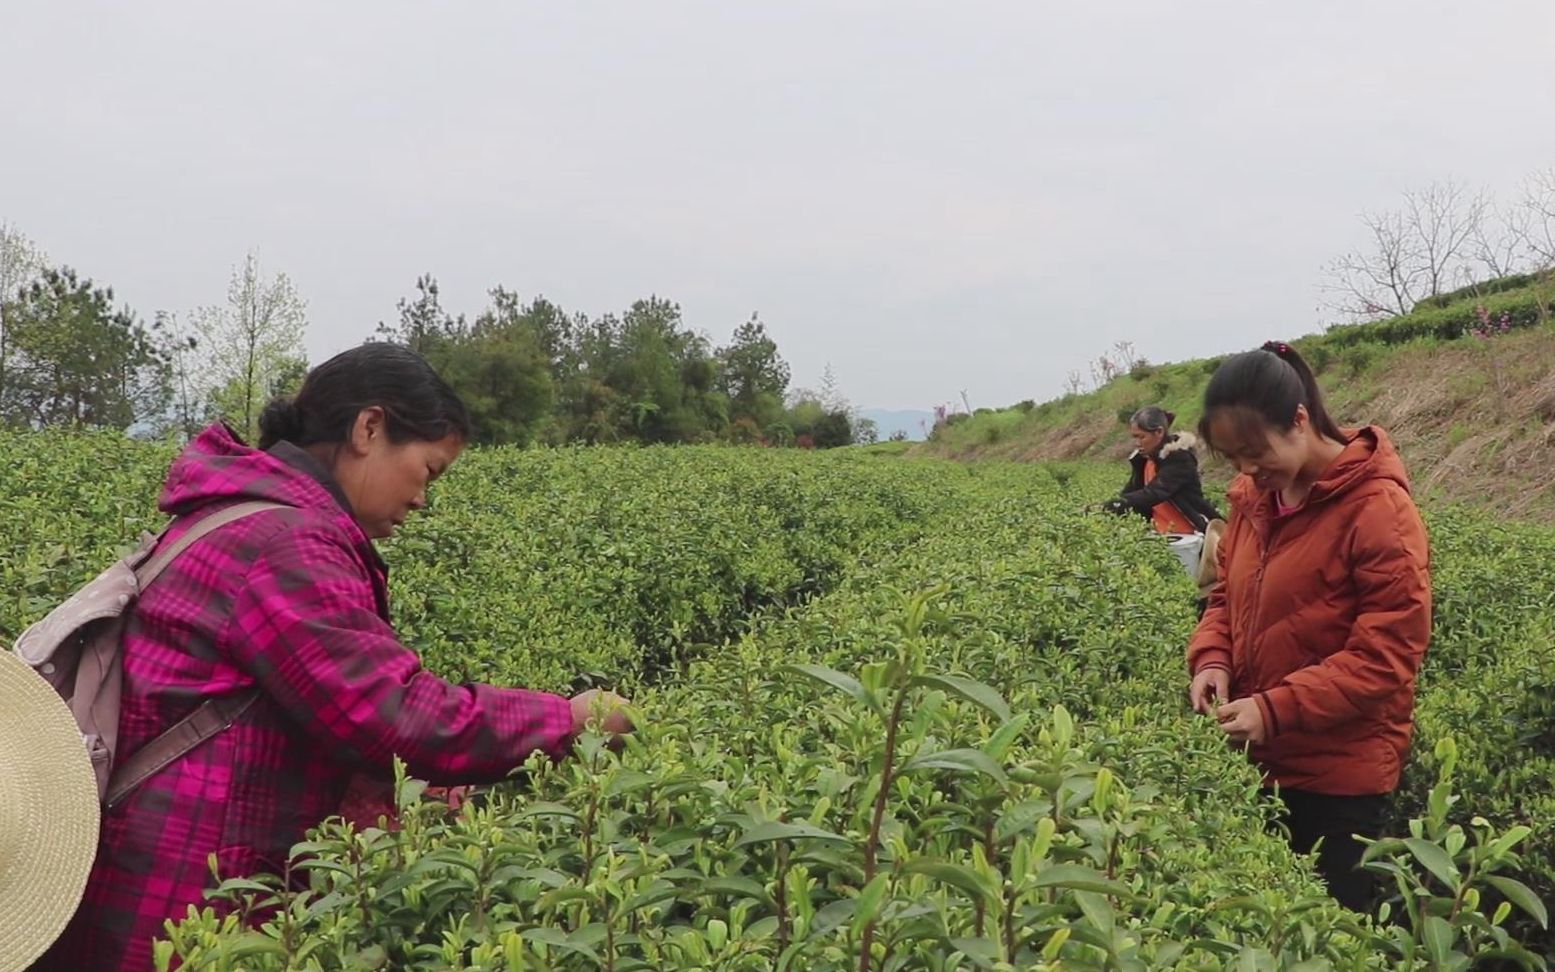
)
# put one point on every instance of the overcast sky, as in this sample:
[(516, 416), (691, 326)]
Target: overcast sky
[(930, 196)]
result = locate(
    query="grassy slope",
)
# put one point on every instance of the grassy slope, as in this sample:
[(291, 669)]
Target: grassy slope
[(1475, 418)]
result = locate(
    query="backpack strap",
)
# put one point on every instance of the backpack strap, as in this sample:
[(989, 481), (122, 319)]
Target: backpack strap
[(213, 715), (152, 568)]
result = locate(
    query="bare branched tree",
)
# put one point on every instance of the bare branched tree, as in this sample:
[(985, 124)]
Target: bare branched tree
[(1538, 206), (1418, 251), (1501, 241), (1443, 218), (1103, 370), (1125, 355), (1382, 280)]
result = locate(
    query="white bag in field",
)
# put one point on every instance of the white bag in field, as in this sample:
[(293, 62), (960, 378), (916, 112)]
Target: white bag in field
[(1188, 548)]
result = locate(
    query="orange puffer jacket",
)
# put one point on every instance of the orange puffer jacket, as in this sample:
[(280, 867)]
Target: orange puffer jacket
[(1324, 617)]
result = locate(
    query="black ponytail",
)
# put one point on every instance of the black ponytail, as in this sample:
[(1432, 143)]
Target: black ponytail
[(418, 404), (1261, 390)]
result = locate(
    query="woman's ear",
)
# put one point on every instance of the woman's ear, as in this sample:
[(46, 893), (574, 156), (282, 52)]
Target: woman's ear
[(1303, 420), (370, 426)]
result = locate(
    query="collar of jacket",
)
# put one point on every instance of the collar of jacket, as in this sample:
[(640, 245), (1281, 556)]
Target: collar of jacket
[(1369, 455), (304, 462), (1176, 442)]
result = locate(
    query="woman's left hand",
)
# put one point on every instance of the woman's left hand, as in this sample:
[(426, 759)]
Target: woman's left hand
[(1242, 721)]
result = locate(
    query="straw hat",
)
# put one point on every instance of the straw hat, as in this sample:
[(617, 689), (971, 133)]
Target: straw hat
[(48, 814)]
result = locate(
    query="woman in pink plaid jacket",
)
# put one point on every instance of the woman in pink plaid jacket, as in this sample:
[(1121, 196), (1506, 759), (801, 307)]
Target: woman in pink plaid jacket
[(293, 602)]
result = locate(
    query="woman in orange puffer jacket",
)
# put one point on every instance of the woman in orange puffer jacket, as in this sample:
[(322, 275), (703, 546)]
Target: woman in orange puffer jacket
[(1314, 634)]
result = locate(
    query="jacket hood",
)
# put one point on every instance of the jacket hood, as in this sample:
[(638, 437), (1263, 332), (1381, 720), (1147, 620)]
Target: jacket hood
[(1176, 442), (1369, 456), (1179, 442), (218, 468)]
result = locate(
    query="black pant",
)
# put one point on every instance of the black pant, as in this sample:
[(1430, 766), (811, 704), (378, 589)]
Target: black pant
[(1310, 817)]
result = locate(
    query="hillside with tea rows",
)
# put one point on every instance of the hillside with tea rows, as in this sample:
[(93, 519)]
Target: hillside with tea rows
[(896, 714)]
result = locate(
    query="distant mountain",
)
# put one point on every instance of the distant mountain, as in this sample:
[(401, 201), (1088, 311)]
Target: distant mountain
[(911, 421)]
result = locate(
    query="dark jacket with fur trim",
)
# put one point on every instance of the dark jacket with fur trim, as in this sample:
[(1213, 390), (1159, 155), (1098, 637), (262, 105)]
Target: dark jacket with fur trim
[(1176, 480)]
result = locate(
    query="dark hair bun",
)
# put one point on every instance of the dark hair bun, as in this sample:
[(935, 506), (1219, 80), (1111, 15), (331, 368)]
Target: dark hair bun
[(280, 421), (1171, 417), (418, 404)]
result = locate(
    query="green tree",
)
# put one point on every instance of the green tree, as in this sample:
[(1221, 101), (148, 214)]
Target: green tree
[(74, 360), (20, 264), (589, 406), (753, 375), (424, 326), (833, 430), (180, 348), (550, 325), (501, 365), (253, 344), (501, 370), (821, 418), (866, 431), (663, 375)]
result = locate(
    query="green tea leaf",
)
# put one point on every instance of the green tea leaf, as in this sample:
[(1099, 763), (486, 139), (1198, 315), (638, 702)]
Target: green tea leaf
[(1522, 896), (977, 693), (959, 760), (1438, 937), (1097, 910), (1434, 859), (737, 887), (776, 830), (1080, 878), (956, 875), (869, 901), (833, 678)]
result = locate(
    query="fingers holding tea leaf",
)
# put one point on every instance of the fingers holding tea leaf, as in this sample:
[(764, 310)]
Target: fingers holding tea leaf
[(1242, 721)]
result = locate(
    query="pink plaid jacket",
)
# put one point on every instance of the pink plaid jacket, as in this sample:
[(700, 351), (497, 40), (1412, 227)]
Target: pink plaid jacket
[(296, 602)]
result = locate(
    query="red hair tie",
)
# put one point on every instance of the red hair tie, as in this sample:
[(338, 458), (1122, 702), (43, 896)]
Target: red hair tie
[(1277, 347)]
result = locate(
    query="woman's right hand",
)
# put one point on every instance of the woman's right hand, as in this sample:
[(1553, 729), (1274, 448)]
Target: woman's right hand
[(1211, 686), (610, 710)]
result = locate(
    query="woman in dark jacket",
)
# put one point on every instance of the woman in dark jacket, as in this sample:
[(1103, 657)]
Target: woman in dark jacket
[(1164, 486)]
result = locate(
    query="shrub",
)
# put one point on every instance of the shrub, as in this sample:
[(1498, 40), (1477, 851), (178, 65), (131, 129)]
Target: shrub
[(1499, 285), (1517, 309)]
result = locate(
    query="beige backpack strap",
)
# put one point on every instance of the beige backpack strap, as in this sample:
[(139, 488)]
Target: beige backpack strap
[(159, 561), (213, 715)]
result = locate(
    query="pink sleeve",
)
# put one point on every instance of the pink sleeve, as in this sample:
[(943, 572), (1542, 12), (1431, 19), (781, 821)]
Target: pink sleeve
[(304, 627)]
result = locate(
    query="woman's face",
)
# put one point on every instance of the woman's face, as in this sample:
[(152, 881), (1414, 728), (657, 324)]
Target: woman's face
[(385, 481), (1272, 458), (1146, 441)]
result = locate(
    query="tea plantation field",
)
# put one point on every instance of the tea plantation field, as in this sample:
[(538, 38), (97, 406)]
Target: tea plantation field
[(895, 714)]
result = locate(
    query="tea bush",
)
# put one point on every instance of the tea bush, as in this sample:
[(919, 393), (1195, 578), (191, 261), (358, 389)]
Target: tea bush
[(531, 566), (904, 715)]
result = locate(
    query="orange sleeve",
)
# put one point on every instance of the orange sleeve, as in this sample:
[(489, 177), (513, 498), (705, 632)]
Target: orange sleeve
[(1210, 646)]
